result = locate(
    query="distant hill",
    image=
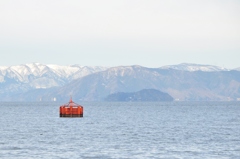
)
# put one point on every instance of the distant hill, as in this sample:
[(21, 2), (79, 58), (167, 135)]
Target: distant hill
[(151, 95)]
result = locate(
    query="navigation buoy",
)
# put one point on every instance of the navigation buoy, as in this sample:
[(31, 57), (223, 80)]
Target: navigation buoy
[(71, 109)]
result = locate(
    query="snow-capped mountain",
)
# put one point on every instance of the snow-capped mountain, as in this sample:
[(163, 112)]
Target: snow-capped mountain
[(195, 67), (36, 75)]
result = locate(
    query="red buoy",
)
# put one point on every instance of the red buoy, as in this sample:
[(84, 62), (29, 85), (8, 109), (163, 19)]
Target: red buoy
[(71, 109)]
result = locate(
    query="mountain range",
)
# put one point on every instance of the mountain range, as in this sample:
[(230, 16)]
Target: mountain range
[(184, 82)]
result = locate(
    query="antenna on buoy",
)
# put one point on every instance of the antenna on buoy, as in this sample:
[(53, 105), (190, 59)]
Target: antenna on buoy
[(70, 100)]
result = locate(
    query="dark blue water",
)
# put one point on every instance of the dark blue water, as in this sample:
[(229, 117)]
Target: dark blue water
[(177, 130)]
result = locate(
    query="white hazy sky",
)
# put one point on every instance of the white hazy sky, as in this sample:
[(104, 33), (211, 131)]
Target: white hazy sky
[(150, 33)]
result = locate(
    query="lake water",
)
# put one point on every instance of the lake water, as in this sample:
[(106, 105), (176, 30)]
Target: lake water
[(174, 130)]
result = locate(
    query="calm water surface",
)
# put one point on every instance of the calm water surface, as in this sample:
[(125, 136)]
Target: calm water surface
[(175, 130)]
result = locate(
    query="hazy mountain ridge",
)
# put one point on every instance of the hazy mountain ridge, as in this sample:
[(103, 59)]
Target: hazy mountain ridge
[(182, 85), (195, 67), (48, 82), (237, 69)]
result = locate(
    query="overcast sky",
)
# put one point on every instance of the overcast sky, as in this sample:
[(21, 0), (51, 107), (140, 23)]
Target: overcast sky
[(150, 33)]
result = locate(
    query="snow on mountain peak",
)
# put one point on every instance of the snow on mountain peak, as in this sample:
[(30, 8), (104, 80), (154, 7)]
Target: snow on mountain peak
[(195, 67), (63, 70)]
